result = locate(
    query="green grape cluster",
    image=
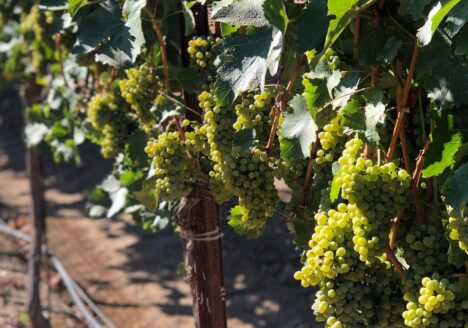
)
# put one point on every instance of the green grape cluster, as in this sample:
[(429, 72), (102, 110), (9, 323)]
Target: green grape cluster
[(246, 174), (174, 168), (366, 295), (201, 50), (106, 116), (425, 251), (138, 90), (331, 144), (331, 247), (251, 178), (458, 231), (331, 59), (378, 192), (434, 305), (253, 112)]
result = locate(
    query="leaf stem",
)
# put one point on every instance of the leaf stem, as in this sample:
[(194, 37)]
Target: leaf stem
[(309, 175), (162, 44), (403, 101), (281, 101), (357, 31), (420, 217)]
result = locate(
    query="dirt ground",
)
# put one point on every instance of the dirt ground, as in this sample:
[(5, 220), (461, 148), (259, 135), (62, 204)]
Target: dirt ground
[(131, 274)]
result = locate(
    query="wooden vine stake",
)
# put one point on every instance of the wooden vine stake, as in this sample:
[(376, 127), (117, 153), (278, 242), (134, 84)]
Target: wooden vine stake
[(198, 222), (37, 216)]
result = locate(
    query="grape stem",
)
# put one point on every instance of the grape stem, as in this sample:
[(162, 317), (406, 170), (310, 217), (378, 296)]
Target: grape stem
[(357, 31), (97, 85), (58, 48), (394, 230), (113, 75), (282, 100), (309, 175), (394, 261), (403, 102), (402, 135), (415, 184), (162, 44)]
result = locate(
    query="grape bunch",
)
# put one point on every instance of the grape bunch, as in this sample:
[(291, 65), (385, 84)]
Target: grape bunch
[(253, 112), (174, 170), (138, 90), (378, 192), (434, 304), (106, 116), (331, 143), (458, 231), (249, 176), (425, 250), (201, 51)]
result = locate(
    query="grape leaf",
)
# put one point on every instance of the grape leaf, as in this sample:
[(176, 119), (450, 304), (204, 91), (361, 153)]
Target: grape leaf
[(275, 13), (240, 12), (435, 17), (135, 153), (447, 84), (300, 124), (344, 11), (417, 7), (443, 148), (245, 139), (147, 196), (335, 188), (311, 26), (455, 189), (375, 114), (189, 18), (118, 34), (35, 133), (290, 148), (461, 42), (246, 59), (75, 5)]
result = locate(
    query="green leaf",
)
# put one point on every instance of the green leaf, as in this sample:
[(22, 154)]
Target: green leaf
[(117, 34), (189, 18), (135, 149), (35, 133), (246, 59), (417, 7), (147, 196), (435, 17), (163, 108), (302, 227), (290, 148), (344, 11), (448, 83), (300, 124), (118, 202), (443, 148), (455, 189), (240, 12), (353, 116), (275, 13), (75, 5), (245, 139), (335, 188), (461, 42), (311, 26)]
